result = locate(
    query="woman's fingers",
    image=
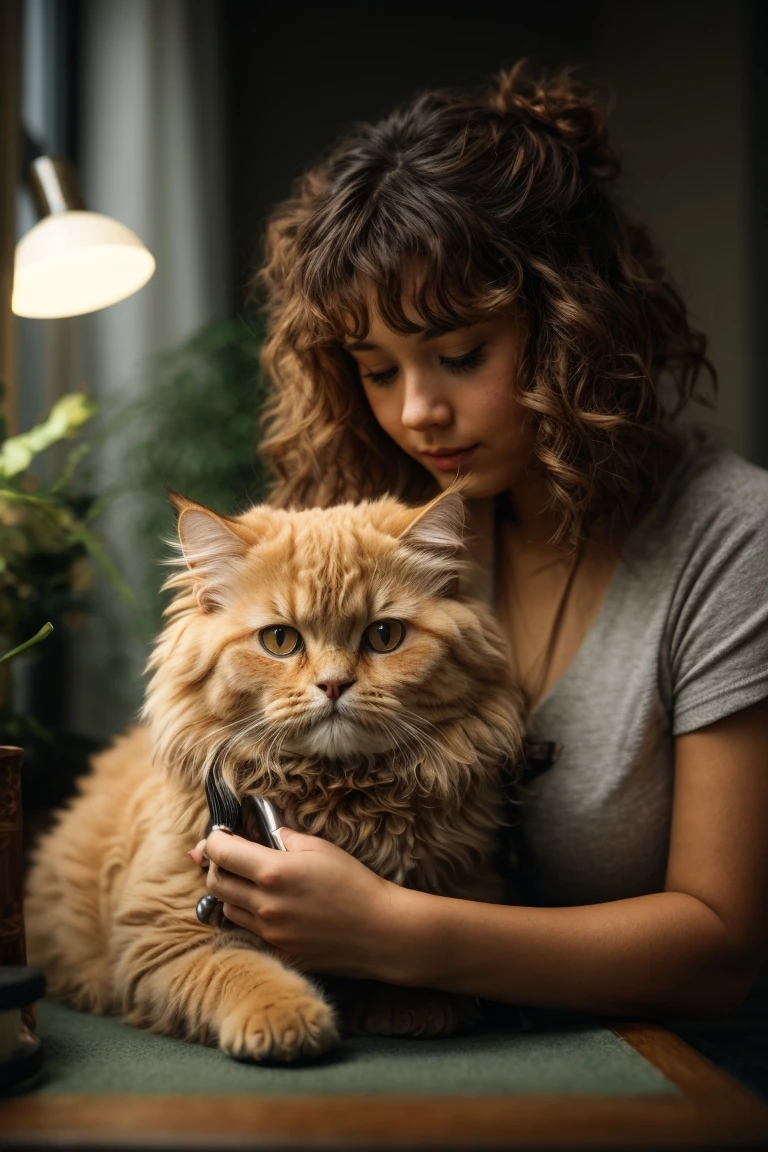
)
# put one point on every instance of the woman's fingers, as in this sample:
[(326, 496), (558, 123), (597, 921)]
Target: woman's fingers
[(231, 888), (243, 917), (243, 857)]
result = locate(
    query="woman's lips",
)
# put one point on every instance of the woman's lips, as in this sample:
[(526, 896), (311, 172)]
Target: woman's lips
[(451, 460)]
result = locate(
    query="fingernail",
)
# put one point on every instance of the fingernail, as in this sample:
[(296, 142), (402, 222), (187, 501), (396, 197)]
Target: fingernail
[(196, 856)]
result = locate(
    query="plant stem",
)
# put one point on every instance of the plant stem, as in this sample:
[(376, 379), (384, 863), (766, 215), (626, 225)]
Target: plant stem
[(41, 635)]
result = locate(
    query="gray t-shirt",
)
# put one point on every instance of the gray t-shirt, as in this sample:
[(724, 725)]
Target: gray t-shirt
[(681, 640)]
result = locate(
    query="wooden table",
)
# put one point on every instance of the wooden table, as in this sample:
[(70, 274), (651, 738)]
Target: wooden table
[(712, 1111)]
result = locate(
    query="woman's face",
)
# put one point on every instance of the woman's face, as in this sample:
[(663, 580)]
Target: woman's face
[(448, 399)]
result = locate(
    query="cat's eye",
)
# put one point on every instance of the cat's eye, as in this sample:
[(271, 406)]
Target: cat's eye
[(384, 635), (280, 640)]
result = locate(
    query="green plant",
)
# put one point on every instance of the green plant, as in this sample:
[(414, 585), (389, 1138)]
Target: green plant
[(11, 724), (45, 528), (194, 428), (46, 541)]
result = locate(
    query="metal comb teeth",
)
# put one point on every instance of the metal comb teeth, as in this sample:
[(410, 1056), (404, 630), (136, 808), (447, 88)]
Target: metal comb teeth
[(223, 804)]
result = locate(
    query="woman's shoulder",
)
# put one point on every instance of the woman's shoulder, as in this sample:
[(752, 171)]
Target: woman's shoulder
[(712, 494), (710, 569), (720, 475)]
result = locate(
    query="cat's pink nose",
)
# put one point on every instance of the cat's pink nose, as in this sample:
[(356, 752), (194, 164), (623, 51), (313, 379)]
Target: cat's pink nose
[(334, 688)]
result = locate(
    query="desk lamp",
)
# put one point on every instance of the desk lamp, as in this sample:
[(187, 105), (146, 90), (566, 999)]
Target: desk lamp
[(73, 261)]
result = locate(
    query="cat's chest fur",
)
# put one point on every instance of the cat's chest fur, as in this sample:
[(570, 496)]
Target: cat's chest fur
[(395, 826)]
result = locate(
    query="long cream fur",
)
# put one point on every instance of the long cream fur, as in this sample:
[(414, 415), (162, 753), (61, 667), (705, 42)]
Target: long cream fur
[(403, 771)]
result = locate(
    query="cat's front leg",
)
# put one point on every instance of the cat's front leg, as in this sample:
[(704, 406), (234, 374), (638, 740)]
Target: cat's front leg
[(220, 989)]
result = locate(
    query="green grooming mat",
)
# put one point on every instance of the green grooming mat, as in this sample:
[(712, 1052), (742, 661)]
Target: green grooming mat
[(95, 1054)]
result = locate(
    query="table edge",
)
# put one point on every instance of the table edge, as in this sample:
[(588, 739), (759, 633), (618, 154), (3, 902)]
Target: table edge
[(711, 1109)]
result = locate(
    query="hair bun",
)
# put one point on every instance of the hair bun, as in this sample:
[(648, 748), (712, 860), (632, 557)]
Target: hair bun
[(562, 107)]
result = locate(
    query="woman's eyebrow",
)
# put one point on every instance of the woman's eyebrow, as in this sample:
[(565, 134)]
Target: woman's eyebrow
[(427, 334)]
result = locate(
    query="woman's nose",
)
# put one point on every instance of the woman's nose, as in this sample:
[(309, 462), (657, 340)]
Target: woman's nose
[(423, 407)]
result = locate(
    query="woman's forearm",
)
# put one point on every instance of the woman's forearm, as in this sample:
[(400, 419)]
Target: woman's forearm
[(666, 952)]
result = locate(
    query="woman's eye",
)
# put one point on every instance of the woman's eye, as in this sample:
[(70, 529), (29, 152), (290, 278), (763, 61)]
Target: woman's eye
[(280, 640), (383, 635), (381, 377), (464, 363)]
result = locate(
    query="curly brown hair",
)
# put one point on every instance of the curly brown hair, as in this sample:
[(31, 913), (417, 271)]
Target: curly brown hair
[(457, 207)]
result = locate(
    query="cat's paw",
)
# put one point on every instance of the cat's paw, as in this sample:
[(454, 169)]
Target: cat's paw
[(395, 1011), (278, 1025)]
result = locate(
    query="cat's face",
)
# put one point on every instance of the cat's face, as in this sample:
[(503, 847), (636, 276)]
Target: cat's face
[(325, 633)]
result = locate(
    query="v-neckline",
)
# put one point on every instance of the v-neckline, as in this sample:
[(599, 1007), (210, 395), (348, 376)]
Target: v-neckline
[(615, 583), (592, 628), (617, 580), (587, 641)]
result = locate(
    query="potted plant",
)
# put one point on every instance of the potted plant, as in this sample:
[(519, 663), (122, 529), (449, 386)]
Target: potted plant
[(11, 758), (46, 544)]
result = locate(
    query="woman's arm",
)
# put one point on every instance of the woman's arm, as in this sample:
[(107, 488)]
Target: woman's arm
[(692, 950)]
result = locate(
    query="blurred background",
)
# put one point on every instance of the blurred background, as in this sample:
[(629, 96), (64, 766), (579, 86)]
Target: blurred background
[(187, 120)]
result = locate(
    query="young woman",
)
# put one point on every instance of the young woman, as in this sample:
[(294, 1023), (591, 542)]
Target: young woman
[(457, 290)]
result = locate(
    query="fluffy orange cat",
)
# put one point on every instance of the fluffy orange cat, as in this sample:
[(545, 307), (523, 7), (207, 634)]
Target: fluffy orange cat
[(324, 658)]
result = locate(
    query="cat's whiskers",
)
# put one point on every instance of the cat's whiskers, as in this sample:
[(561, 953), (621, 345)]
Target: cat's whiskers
[(397, 721), (276, 741), (417, 718), (250, 748), (245, 733), (414, 724)]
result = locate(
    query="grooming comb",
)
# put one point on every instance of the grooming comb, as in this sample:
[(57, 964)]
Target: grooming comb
[(269, 822), (225, 812), (223, 804)]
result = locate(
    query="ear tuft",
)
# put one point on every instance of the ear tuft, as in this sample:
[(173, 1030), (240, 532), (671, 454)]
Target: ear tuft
[(440, 526), (178, 501)]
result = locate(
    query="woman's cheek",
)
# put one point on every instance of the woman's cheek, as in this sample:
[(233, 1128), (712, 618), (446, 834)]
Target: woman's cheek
[(387, 410), (382, 407)]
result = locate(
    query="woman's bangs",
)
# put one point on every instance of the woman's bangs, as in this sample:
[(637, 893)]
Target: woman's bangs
[(416, 292)]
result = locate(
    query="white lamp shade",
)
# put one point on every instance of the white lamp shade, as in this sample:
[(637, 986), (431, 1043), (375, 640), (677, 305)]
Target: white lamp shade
[(76, 262)]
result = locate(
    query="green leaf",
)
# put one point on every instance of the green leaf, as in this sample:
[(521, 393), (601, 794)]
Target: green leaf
[(60, 515), (41, 635), (66, 417)]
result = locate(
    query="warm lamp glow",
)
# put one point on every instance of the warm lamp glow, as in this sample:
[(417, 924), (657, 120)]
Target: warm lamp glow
[(75, 262)]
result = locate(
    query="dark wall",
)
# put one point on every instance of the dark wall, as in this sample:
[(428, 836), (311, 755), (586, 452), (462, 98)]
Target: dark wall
[(299, 74), (757, 219)]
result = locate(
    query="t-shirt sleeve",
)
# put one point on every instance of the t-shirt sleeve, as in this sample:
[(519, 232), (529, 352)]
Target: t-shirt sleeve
[(719, 635)]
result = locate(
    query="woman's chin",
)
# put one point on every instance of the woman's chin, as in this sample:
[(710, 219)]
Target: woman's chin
[(479, 485)]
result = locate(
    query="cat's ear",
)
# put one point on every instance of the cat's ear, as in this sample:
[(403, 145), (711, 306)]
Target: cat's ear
[(436, 535), (211, 548), (438, 528)]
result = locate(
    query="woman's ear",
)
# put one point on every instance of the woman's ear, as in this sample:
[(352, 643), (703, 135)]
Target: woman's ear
[(211, 548)]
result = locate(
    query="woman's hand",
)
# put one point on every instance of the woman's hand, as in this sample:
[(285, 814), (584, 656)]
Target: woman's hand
[(315, 904)]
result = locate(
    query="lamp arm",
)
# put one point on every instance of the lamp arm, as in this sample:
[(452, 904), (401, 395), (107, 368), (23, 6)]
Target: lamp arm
[(52, 180)]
